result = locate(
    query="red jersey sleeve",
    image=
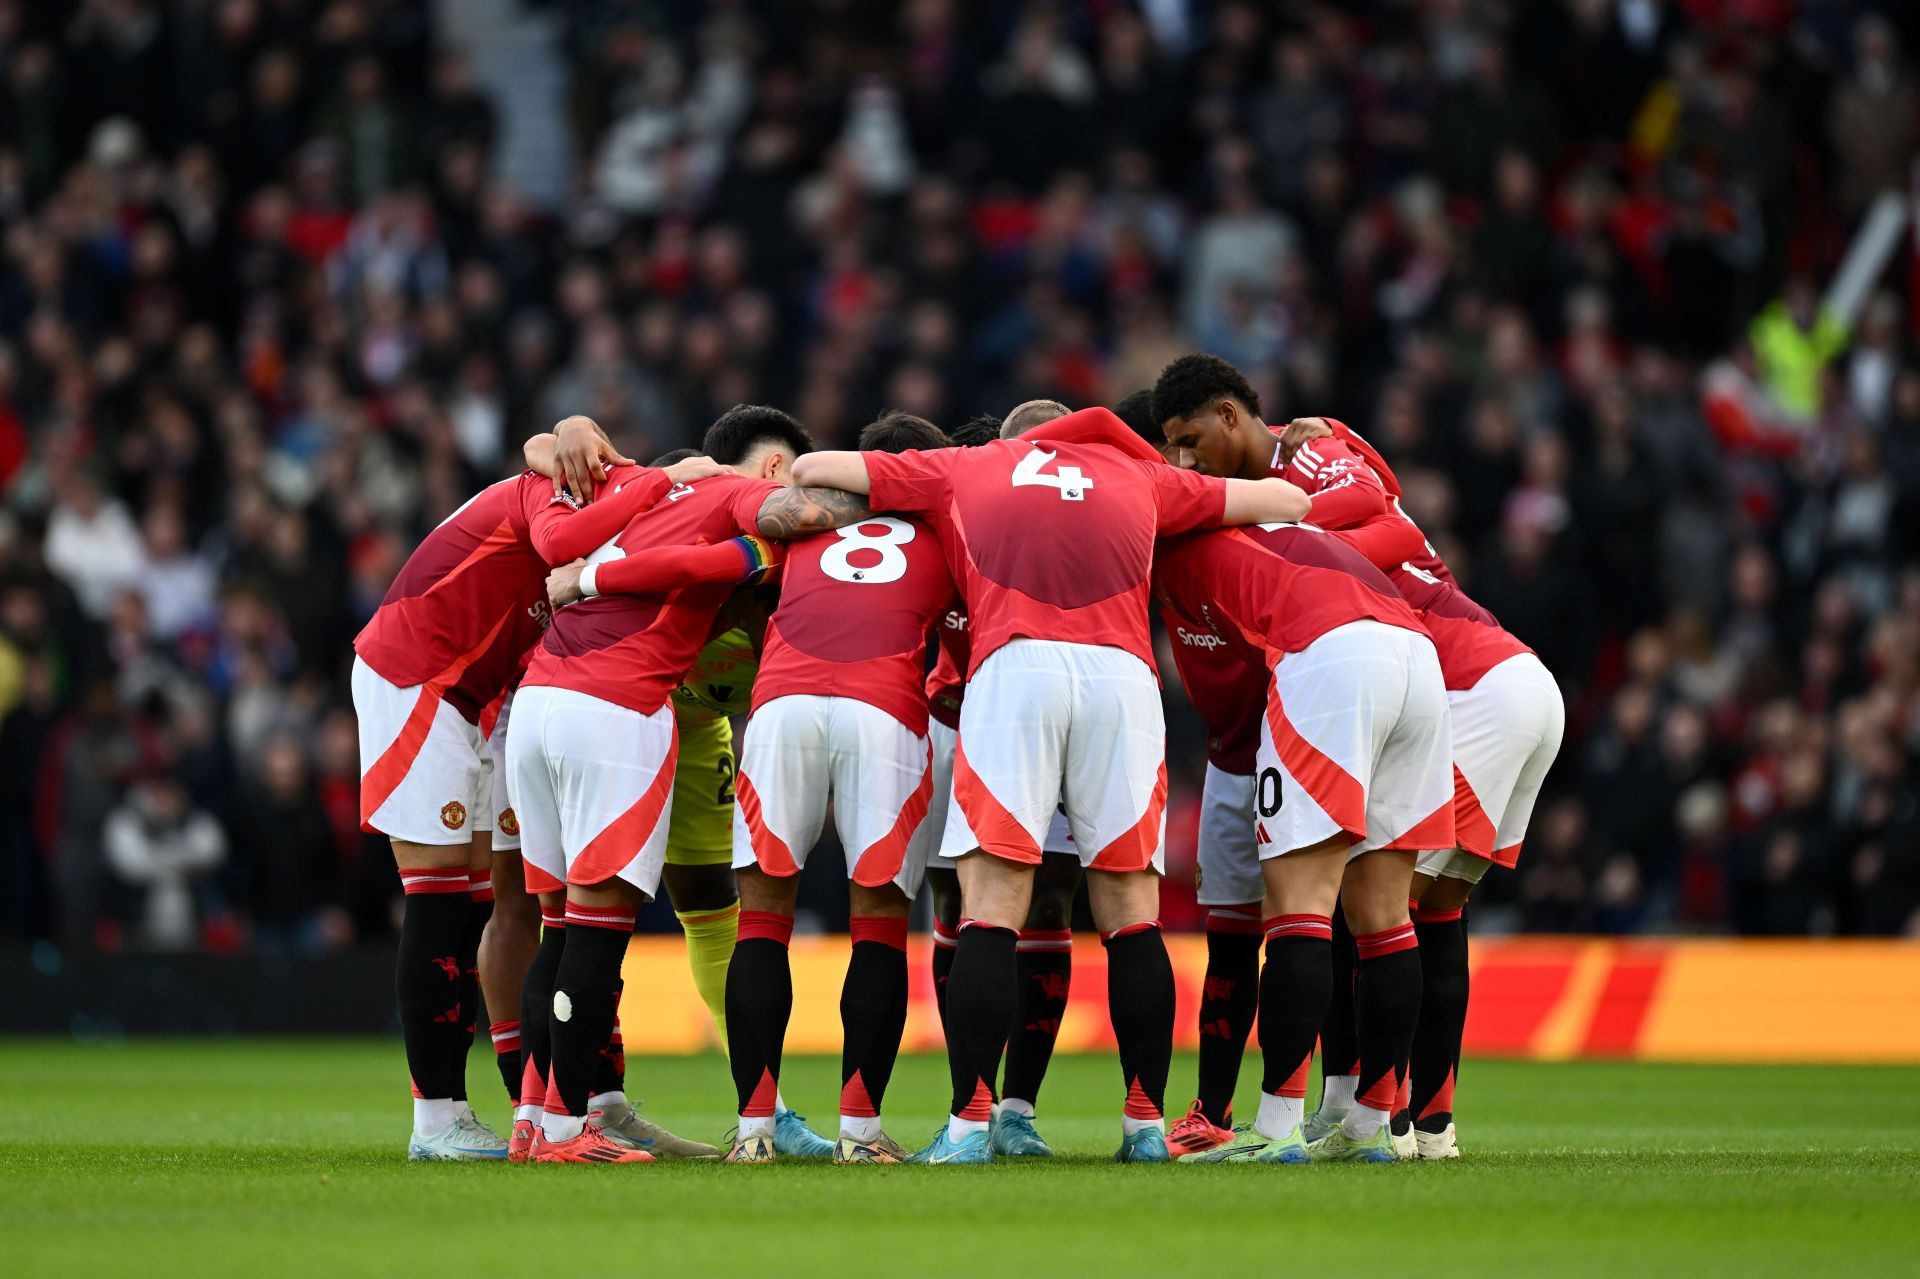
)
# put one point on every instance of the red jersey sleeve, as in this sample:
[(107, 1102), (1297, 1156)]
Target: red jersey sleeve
[(563, 531), (746, 506), (1345, 490), (917, 480), (1186, 501), (1367, 453), (668, 568), (1386, 541)]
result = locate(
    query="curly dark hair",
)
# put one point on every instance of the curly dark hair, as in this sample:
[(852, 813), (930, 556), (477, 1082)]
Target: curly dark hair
[(981, 428), (1137, 412), (745, 427), (895, 432), (671, 456), (1194, 381)]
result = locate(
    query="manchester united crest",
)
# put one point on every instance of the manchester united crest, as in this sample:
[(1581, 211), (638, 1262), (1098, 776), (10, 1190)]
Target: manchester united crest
[(454, 815), (507, 822)]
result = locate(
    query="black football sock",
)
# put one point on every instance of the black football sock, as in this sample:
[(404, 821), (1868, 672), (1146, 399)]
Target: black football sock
[(1140, 1004), (1043, 977), (506, 1055), (943, 946), (536, 1009), (1295, 986), (980, 1002), (1229, 998), (429, 979), (479, 911), (1386, 1001), (873, 1013), (1443, 1016), (759, 1002), (610, 1072), (583, 1002), (1339, 1040)]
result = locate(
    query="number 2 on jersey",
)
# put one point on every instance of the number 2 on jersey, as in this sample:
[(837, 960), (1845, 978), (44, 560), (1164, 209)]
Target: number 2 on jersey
[(838, 564), (1072, 482)]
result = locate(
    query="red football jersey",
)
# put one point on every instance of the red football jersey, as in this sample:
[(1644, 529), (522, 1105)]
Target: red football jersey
[(1229, 691), (1429, 560), (1053, 542), (1280, 586), (947, 681), (472, 598), (633, 650), (1343, 485), (1469, 639), (855, 608)]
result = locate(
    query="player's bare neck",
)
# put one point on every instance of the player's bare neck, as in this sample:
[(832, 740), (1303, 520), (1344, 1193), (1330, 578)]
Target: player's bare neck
[(1256, 448)]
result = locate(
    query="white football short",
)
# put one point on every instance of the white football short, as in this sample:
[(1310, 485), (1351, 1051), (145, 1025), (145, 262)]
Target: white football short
[(1048, 724), (1355, 739), (502, 820), (1506, 733), (592, 787), (803, 749), (943, 739), (1229, 861), (423, 767)]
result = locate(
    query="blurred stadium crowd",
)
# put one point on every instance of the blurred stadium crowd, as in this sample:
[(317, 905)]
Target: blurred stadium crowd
[(270, 308)]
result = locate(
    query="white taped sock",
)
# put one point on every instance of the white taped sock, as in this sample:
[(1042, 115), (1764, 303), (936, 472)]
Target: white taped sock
[(958, 1127), (1363, 1121), (558, 1128), (433, 1115), (1336, 1099), (1278, 1115)]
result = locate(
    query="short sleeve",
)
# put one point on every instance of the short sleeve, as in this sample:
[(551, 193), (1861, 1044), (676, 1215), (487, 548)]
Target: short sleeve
[(1184, 500), (747, 502), (917, 480)]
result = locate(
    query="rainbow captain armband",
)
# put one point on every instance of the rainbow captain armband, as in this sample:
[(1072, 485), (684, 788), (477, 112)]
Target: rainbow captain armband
[(659, 570), (761, 556)]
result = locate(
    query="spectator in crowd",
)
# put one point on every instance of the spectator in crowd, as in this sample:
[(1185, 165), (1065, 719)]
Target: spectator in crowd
[(288, 868), (163, 852)]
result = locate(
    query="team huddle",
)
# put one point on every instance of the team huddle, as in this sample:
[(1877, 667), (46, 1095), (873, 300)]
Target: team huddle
[(942, 645)]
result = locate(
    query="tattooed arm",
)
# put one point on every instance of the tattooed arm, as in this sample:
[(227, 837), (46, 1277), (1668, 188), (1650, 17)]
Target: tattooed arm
[(793, 512)]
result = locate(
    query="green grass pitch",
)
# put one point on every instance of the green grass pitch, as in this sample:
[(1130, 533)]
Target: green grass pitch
[(285, 1158)]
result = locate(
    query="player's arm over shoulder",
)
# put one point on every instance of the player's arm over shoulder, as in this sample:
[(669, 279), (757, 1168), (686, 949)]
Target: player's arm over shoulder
[(832, 468), (1265, 501), (1190, 501)]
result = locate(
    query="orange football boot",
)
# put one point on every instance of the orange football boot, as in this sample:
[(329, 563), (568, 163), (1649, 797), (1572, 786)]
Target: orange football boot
[(1193, 1133), (592, 1146)]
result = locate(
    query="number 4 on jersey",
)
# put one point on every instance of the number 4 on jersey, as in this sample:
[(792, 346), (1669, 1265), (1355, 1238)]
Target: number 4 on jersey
[(1072, 482)]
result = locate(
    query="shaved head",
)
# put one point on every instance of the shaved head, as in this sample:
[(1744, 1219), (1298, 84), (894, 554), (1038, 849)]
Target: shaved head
[(1029, 415)]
